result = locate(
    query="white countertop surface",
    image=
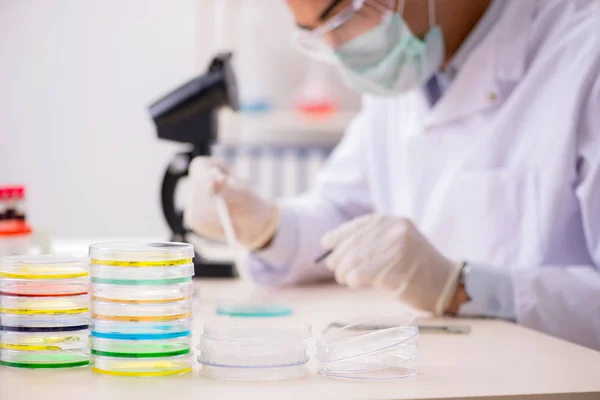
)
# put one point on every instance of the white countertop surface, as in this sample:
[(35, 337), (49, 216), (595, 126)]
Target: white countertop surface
[(496, 359)]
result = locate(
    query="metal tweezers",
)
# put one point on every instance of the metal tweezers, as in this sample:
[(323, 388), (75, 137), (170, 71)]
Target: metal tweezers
[(451, 329)]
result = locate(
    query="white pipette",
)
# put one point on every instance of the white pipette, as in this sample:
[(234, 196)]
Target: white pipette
[(224, 216)]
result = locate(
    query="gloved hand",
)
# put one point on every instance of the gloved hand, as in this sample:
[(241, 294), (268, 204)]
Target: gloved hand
[(255, 220), (390, 253)]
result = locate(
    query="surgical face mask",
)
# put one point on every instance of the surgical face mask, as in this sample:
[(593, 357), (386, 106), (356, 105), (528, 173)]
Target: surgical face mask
[(389, 59)]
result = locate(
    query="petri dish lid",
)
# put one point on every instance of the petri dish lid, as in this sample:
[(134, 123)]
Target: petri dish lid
[(43, 267), (253, 373), (144, 253), (363, 337), (241, 330)]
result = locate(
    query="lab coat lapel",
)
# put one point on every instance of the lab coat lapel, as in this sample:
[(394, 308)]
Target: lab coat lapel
[(499, 58)]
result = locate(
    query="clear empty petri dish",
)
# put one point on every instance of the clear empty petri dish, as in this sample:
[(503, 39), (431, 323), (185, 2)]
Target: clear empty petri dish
[(141, 330), (141, 254), (44, 359), (379, 347), (43, 323), (251, 329), (175, 274), (45, 341), (141, 348), (141, 312), (142, 294), (254, 349), (43, 267), (44, 305), (142, 367), (257, 353)]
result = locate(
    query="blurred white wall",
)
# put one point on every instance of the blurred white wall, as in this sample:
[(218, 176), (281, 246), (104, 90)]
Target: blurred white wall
[(75, 80), (76, 77), (274, 53)]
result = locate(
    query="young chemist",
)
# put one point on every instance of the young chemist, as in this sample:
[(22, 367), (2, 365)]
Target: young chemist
[(468, 184)]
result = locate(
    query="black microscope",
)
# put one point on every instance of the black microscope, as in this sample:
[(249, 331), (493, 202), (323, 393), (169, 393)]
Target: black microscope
[(189, 115)]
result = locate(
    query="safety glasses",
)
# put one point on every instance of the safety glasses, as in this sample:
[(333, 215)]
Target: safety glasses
[(356, 18)]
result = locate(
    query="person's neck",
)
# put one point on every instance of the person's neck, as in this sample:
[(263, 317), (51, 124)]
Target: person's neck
[(457, 19)]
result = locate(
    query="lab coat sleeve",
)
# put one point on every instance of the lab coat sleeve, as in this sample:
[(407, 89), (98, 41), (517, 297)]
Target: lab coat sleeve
[(341, 193), (565, 301), (491, 292)]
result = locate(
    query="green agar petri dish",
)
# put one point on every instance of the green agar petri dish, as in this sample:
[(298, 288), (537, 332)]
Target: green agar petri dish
[(254, 310), (141, 349), (46, 366), (141, 355), (41, 359)]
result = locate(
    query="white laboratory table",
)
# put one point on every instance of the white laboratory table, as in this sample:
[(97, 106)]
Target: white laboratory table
[(496, 360)]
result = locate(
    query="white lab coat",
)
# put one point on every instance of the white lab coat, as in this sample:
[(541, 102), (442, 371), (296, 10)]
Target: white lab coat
[(504, 170)]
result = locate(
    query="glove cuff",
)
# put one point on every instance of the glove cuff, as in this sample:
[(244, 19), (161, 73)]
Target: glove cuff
[(448, 290), (267, 232)]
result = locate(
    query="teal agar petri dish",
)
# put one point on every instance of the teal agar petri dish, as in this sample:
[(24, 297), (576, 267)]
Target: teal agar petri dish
[(254, 310), (141, 330)]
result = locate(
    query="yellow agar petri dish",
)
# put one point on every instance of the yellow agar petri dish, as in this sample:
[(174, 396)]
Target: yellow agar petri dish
[(39, 341), (44, 305), (141, 254), (43, 267), (142, 367)]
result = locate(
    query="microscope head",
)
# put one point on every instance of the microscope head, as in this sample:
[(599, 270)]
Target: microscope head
[(187, 114)]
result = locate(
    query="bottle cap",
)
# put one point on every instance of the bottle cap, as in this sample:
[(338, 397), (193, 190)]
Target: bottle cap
[(14, 228)]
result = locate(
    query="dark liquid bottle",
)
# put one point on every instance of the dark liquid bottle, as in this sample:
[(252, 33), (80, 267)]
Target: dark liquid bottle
[(3, 204)]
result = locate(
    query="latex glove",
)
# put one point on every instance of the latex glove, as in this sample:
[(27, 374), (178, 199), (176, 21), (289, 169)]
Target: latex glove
[(255, 219), (390, 253)]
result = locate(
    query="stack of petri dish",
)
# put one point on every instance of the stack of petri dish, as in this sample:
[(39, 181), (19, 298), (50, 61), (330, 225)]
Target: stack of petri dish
[(253, 349), (44, 316), (371, 348), (141, 308)]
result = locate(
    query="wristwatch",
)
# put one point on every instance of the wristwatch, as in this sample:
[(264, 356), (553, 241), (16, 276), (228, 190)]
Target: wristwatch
[(460, 284), (464, 272)]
